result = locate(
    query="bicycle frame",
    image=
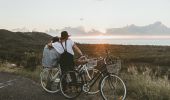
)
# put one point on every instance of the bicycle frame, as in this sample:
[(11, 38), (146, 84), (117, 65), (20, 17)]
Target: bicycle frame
[(84, 69), (93, 80), (54, 77)]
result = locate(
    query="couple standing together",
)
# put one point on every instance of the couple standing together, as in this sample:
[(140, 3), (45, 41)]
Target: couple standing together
[(60, 51)]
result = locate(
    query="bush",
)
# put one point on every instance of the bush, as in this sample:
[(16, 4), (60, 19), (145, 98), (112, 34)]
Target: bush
[(30, 62)]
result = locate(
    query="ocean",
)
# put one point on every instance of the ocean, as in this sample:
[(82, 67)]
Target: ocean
[(158, 42)]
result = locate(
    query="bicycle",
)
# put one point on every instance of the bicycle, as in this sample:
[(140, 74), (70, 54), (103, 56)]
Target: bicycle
[(112, 87), (50, 79), (52, 76), (115, 84), (74, 88), (89, 71)]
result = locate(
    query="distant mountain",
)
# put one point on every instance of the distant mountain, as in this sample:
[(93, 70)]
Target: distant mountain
[(156, 28)]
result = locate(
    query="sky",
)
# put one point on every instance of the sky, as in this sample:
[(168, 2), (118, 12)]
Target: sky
[(41, 15)]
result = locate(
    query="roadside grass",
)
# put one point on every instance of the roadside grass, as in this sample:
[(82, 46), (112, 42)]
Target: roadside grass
[(34, 75), (140, 86), (146, 87)]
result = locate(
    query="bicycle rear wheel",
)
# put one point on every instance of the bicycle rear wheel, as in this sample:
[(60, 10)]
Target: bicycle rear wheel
[(112, 87), (71, 84), (48, 82)]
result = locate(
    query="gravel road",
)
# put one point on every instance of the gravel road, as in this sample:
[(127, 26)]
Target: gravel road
[(14, 87)]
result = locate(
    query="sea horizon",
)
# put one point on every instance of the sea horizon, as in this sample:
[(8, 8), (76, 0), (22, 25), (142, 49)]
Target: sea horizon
[(156, 42)]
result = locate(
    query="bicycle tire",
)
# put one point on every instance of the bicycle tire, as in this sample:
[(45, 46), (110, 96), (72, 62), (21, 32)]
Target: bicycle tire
[(70, 87), (112, 87)]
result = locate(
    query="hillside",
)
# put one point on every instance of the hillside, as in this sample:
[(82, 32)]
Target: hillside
[(13, 45), (18, 40)]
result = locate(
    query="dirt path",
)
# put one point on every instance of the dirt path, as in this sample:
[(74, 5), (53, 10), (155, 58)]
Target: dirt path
[(13, 87)]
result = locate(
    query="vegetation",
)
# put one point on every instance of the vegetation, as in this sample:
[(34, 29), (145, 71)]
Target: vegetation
[(144, 68), (20, 48), (34, 75), (16, 46), (146, 86)]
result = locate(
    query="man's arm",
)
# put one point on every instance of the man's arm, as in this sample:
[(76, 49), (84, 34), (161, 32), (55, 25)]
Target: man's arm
[(77, 49)]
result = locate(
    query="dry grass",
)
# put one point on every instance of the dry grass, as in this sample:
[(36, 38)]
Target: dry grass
[(34, 75), (140, 86), (146, 87)]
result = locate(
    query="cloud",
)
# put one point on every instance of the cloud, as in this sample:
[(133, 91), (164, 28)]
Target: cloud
[(156, 28), (99, 0), (24, 29), (81, 19), (94, 32), (74, 31), (53, 32)]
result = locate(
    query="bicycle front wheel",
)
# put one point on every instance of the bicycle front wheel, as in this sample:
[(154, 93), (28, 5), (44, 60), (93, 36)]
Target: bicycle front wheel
[(112, 87), (71, 84)]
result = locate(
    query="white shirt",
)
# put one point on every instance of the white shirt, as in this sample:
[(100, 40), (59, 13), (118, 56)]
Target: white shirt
[(59, 48)]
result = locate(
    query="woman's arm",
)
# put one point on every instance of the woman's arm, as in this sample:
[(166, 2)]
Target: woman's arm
[(77, 49)]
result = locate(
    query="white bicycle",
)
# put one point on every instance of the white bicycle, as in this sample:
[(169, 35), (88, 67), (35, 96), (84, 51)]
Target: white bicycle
[(50, 79)]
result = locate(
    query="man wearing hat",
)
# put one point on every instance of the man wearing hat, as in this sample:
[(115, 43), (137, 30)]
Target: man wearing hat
[(65, 47)]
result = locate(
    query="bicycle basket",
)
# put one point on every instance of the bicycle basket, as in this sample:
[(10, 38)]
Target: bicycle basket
[(91, 63), (113, 65)]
